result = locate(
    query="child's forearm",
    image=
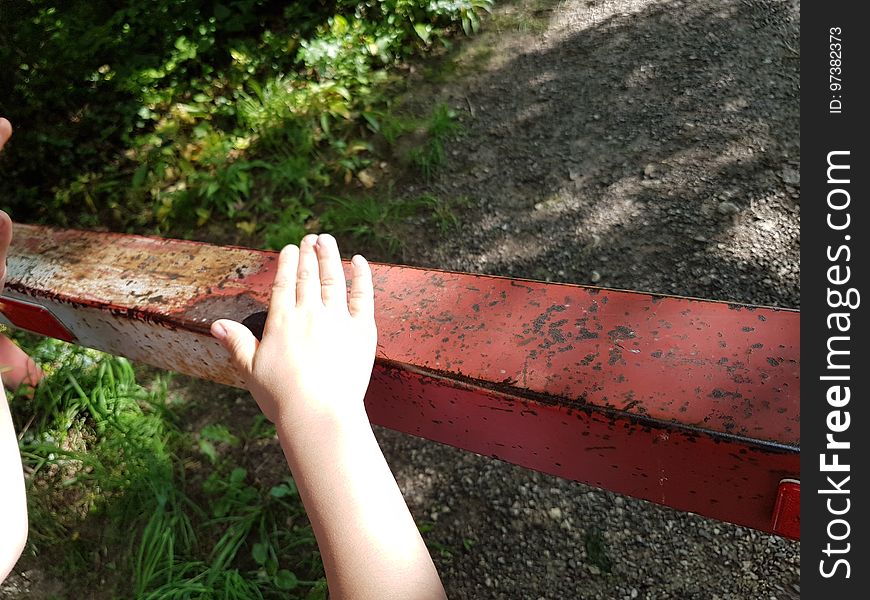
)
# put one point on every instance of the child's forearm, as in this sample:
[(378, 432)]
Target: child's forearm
[(370, 546), (13, 503), (309, 374)]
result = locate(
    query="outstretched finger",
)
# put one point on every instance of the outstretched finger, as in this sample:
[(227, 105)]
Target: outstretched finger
[(284, 286), (362, 294), (5, 230), (333, 289), (307, 278)]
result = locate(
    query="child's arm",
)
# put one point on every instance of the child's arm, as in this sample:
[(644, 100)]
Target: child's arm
[(309, 375), (13, 503)]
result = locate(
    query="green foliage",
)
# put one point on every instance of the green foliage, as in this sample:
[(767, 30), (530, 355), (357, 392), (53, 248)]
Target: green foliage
[(431, 155), (367, 218), (288, 228), (441, 211), (379, 220), (167, 115), (113, 476), (215, 435)]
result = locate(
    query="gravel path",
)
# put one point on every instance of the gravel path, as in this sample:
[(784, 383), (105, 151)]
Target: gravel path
[(630, 144)]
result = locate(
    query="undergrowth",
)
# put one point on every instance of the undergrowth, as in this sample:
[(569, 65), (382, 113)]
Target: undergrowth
[(431, 154), (124, 502), (369, 218), (167, 116)]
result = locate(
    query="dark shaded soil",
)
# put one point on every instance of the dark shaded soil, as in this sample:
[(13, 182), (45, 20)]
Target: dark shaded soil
[(642, 145)]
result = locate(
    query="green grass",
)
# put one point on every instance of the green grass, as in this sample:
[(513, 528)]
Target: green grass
[(529, 16), (124, 502), (431, 154), (372, 219), (379, 220), (442, 213)]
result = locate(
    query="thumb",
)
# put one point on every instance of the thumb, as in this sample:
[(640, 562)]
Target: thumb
[(239, 342)]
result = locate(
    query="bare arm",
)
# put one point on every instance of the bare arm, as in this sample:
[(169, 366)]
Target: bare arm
[(309, 376), (13, 503)]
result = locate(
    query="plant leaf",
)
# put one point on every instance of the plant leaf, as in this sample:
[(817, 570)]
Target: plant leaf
[(423, 30), (259, 553), (286, 580)]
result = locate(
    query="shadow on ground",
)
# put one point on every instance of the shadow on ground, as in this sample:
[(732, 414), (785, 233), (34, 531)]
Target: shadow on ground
[(655, 144)]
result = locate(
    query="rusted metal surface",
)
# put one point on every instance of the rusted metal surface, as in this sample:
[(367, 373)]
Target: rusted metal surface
[(689, 403)]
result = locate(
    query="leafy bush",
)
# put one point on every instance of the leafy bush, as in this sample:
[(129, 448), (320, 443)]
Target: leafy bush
[(170, 113)]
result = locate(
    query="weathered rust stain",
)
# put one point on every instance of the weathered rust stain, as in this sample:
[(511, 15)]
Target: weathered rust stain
[(132, 272), (209, 308)]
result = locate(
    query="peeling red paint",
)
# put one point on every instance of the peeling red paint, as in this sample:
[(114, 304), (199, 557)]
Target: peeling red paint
[(33, 317), (543, 375)]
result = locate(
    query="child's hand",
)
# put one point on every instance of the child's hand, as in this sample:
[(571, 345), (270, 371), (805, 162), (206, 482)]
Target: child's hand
[(309, 376), (318, 348), (5, 222), (5, 240)]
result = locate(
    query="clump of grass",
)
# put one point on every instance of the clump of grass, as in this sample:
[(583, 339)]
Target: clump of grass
[(527, 17), (378, 220), (120, 501), (596, 551), (288, 228), (431, 154), (369, 218), (442, 211)]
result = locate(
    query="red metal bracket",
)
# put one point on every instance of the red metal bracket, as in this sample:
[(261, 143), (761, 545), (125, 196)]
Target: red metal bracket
[(787, 511), (33, 317), (688, 403)]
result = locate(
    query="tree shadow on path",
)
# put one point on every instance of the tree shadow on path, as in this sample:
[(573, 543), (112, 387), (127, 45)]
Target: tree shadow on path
[(655, 144)]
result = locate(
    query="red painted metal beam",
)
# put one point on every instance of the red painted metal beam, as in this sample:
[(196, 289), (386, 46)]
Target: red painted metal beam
[(688, 403)]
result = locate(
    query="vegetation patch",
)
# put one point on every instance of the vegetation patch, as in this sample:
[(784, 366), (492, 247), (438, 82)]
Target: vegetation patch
[(124, 501), (172, 116)]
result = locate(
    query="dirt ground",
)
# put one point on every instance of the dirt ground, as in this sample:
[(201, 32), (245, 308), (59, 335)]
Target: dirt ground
[(631, 144)]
